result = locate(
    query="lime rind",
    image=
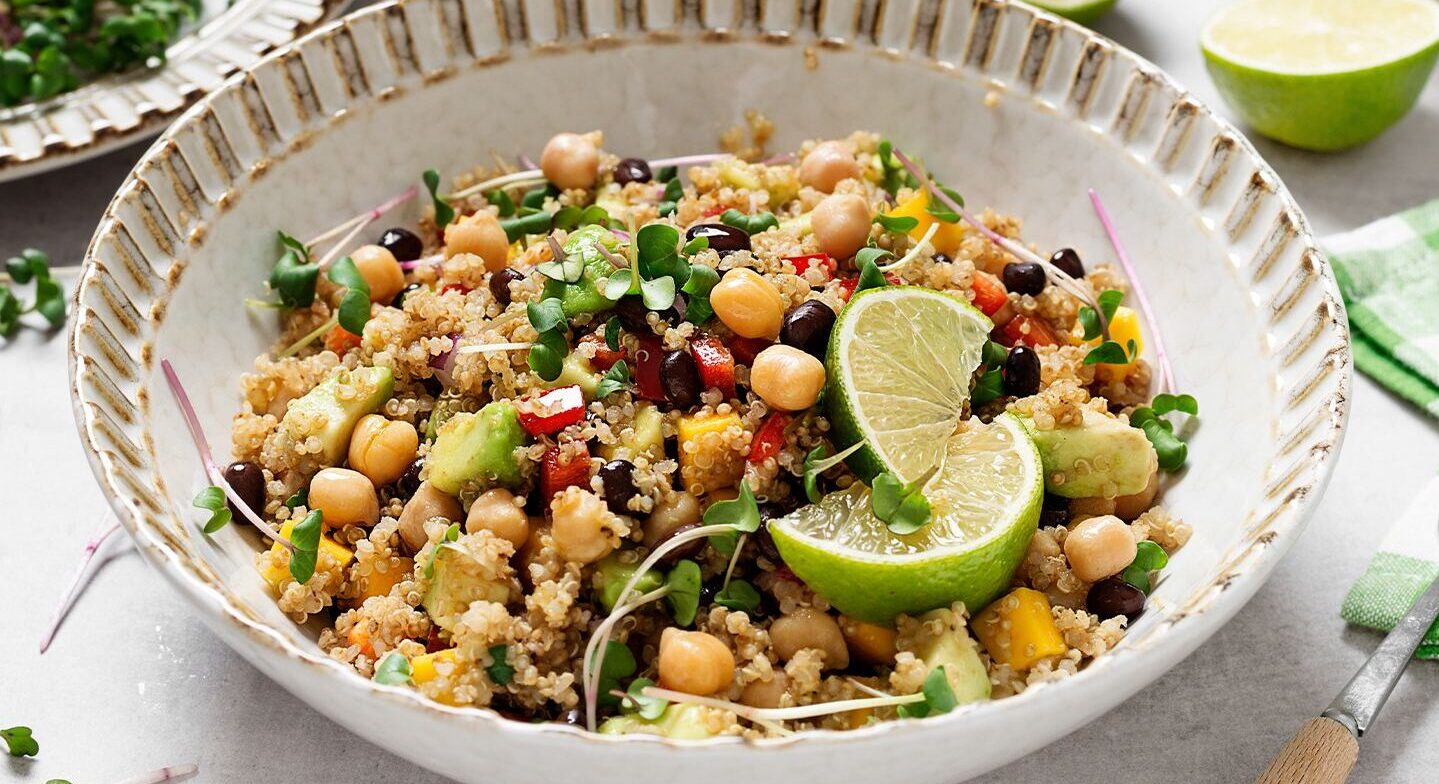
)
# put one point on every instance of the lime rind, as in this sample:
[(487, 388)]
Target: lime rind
[(1081, 11)]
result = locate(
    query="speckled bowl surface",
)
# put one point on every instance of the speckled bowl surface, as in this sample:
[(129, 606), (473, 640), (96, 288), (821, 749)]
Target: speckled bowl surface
[(1015, 107)]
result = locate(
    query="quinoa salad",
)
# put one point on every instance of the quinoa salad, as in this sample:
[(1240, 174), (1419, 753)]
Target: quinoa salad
[(739, 443)]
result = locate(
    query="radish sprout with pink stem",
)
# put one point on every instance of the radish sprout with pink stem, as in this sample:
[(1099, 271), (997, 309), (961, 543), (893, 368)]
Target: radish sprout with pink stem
[(355, 224), (1166, 372), (785, 714), (212, 471), (77, 585), (533, 176), (170, 773)]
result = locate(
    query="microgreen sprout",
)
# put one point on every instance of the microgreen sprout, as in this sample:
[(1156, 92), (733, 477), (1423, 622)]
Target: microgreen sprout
[(614, 379), (696, 245), (738, 595), (914, 251), (293, 276), (816, 463), (451, 534), (561, 267), (499, 669), (894, 175), (942, 213), (444, 213), (31, 266), (354, 310), (870, 275), (305, 537), (899, 224), (216, 476), (674, 191), (1166, 372), (701, 281), (352, 226), (989, 388), (938, 697), (547, 354), (167, 773), (637, 702), (773, 715), (394, 670), (683, 595), (19, 741), (571, 217), (212, 499), (750, 224), (1093, 321), (77, 583), (902, 507), (1148, 557), (1170, 448), (612, 333)]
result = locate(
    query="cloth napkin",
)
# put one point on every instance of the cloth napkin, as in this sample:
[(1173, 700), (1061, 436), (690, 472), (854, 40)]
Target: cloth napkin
[(1388, 273)]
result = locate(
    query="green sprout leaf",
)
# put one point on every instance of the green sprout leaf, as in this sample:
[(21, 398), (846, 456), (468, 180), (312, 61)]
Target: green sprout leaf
[(667, 173), (701, 281), (9, 311), (674, 191), (50, 300), (812, 471), (293, 276), (355, 304), (901, 507), (571, 217), (1089, 319), (535, 199), (1170, 448), (19, 741), (546, 315), (618, 664), (894, 175), (683, 596), (565, 268), (306, 539), (1149, 557), (740, 513), (545, 361), (500, 670), (612, 333), (751, 224), (738, 595), (301, 496), (940, 210), (502, 202), (444, 213), (696, 245), (1167, 403), (524, 225), (1109, 301), (994, 354), (212, 499), (657, 252), (451, 534), (393, 670), (899, 224), (870, 276), (1109, 353), (637, 702), (658, 294), (990, 387), (614, 379)]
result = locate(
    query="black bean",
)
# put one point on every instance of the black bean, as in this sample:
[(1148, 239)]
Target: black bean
[(409, 482), (680, 378), (807, 327), (723, 239), (399, 300), (1113, 596), (500, 284), (633, 170), (433, 385), (1021, 372), (618, 477), (633, 313), (1067, 260), (686, 550), (1055, 511), (1025, 277), (402, 243), (765, 543), (249, 483), (942, 258)]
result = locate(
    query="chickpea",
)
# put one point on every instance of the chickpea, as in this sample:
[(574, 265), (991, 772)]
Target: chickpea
[(570, 160), (694, 662), (345, 497), (827, 164), (1128, 507), (871, 643), (841, 224), (671, 513), (499, 512), (481, 235), (380, 270), (765, 694), (787, 378), (810, 628), (1099, 547), (383, 449), (426, 504), (748, 304), (580, 522)]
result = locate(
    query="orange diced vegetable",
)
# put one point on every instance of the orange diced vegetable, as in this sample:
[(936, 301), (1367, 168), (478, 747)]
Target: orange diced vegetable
[(1018, 629)]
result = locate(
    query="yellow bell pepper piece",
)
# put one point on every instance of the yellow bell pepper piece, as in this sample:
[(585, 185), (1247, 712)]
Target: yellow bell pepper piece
[(1018, 629), (1123, 328), (424, 669), (707, 463), (380, 583), (945, 240), (275, 574)]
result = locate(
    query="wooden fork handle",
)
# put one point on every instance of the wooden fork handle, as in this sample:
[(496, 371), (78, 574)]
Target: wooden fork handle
[(1323, 751)]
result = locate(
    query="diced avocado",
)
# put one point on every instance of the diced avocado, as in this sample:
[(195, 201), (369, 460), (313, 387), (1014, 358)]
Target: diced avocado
[(477, 447), (585, 296), (459, 578), (577, 371), (332, 408), (613, 574), (446, 406), (1103, 457), (679, 722), (955, 651), (648, 438)]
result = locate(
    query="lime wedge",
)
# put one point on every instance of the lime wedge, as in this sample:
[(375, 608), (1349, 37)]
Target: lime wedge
[(900, 364), (986, 500), (1322, 74), (1081, 11)]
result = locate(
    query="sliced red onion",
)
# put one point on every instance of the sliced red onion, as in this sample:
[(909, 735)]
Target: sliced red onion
[(1166, 373), (423, 261), (444, 364), (527, 163)]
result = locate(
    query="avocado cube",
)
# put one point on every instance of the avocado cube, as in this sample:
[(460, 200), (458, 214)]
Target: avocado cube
[(332, 408), (478, 447)]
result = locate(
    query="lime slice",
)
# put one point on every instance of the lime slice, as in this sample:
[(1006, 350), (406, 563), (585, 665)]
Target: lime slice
[(1322, 74), (1081, 11), (900, 364), (986, 500)]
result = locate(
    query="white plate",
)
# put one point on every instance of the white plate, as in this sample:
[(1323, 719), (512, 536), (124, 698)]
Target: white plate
[(354, 112)]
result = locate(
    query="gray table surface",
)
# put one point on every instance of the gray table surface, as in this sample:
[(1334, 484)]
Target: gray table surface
[(136, 682)]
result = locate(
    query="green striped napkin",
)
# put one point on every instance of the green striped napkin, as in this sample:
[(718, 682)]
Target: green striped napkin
[(1388, 272)]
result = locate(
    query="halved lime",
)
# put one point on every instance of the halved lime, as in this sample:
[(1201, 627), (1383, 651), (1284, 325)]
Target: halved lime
[(900, 363), (986, 500), (1081, 11), (1322, 74)]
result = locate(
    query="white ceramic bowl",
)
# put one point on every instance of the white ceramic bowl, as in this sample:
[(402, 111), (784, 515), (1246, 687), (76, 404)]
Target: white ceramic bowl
[(353, 113)]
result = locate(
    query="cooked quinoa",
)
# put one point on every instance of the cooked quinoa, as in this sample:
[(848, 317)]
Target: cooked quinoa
[(484, 493)]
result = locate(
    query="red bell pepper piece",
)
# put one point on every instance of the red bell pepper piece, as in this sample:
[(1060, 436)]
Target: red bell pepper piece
[(746, 349), (552, 411), (647, 368), (340, 340), (848, 285), (1028, 331), (555, 476), (460, 287), (716, 364), (604, 357), (769, 438), (989, 293), (803, 263)]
